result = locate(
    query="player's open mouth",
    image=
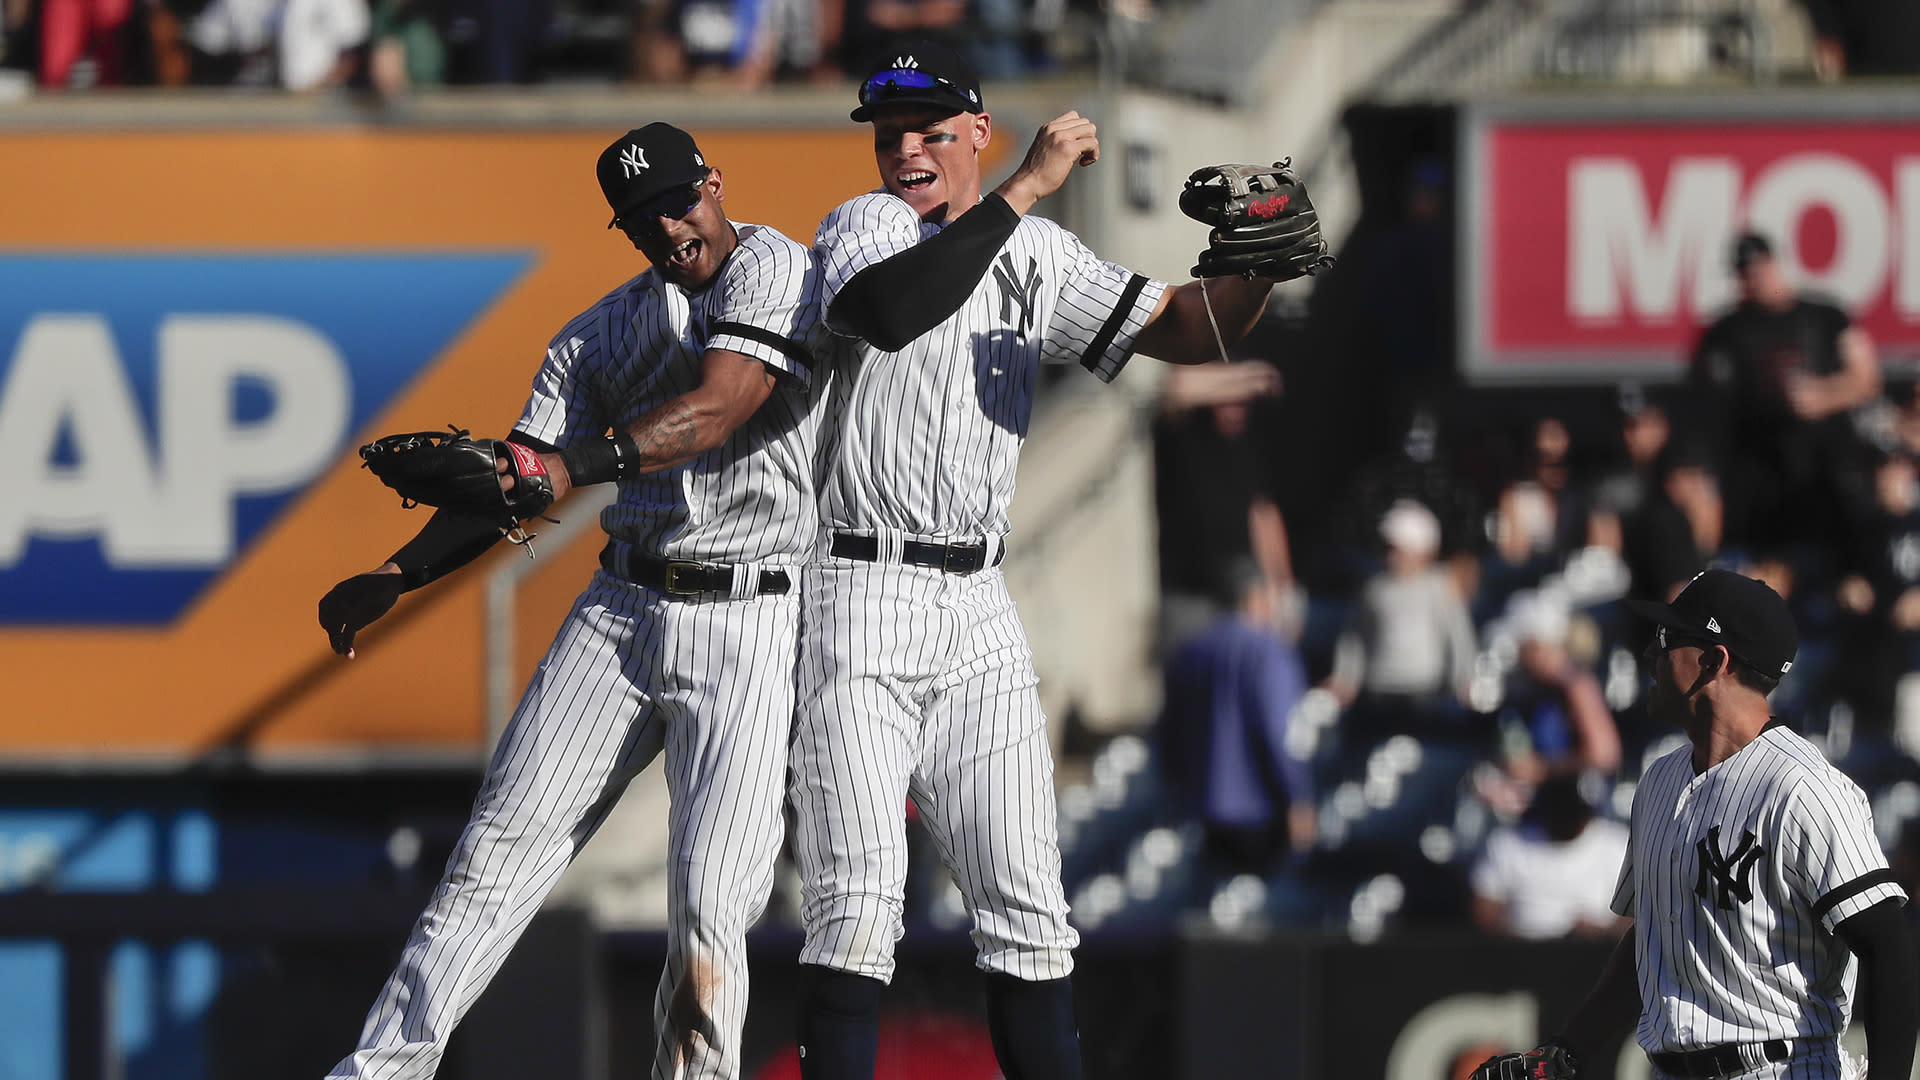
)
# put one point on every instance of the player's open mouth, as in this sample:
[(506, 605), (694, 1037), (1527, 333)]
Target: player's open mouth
[(914, 181), (683, 256)]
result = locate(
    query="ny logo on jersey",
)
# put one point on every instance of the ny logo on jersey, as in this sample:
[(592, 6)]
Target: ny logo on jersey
[(1017, 290), (1729, 873), (633, 161)]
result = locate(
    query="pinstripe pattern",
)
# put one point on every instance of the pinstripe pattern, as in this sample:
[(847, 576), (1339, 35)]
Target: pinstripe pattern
[(920, 683), (1718, 969), (912, 681), (928, 437), (641, 346), (632, 675)]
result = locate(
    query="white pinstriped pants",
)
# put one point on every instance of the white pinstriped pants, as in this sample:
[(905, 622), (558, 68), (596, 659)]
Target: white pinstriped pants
[(916, 682), (629, 673)]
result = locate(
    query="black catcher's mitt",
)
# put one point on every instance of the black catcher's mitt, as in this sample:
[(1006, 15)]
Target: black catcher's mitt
[(452, 471), (1550, 1061), (1263, 224)]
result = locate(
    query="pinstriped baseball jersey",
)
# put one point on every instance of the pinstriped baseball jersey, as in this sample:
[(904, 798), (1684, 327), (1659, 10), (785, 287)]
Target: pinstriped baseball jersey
[(927, 438), (641, 346), (1735, 879)]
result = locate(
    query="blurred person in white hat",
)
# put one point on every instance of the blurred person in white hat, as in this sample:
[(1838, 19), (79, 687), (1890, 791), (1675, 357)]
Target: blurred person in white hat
[(1405, 659)]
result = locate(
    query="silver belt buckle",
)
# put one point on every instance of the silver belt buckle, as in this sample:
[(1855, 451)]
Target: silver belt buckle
[(672, 584)]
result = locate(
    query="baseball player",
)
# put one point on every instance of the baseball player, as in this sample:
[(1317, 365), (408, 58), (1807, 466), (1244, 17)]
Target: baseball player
[(1752, 877), (685, 638), (915, 676)]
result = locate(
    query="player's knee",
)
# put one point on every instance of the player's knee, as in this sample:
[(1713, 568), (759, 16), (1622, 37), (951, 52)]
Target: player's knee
[(853, 933)]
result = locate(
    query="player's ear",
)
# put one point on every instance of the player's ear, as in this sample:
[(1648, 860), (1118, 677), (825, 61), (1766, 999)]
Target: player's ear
[(982, 130), (716, 186), (1715, 660)]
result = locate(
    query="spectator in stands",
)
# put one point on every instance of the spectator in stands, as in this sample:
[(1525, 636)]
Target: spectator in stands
[(1552, 876), (1864, 37), (1678, 531), (1538, 520), (1881, 591), (1556, 701), (1774, 381), (1211, 493), (1223, 732), (409, 50), (1626, 485), (740, 44), (298, 44), (1405, 661), (72, 30)]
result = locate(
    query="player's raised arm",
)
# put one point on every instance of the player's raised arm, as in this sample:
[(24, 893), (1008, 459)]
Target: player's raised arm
[(923, 149)]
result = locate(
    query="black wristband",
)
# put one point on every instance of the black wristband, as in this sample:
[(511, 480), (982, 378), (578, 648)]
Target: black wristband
[(597, 461)]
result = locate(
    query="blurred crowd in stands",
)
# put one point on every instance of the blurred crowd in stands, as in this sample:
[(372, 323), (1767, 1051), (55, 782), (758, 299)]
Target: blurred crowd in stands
[(394, 46), (1411, 689)]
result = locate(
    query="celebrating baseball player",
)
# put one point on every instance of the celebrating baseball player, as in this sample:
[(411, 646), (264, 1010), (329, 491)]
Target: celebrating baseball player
[(915, 677), (685, 638), (1752, 876)]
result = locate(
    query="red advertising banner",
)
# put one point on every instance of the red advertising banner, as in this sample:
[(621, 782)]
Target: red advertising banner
[(1596, 247)]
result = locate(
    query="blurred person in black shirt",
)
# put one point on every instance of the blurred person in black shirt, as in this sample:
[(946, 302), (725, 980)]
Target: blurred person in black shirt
[(1211, 492), (1678, 531), (1881, 593), (1773, 382)]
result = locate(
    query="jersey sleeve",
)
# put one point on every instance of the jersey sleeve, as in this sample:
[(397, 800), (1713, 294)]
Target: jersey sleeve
[(1103, 307), (859, 233), (769, 303), (562, 409), (1830, 853)]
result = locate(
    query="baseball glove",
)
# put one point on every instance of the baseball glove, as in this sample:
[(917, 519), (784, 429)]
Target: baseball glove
[(1550, 1061), (450, 470), (1263, 224)]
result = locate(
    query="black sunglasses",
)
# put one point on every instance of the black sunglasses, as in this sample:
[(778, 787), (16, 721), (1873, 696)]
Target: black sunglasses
[(675, 203), (899, 81)]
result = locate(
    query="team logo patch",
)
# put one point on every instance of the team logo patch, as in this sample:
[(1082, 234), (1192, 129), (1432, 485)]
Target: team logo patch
[(633, 161), (1725, 879)]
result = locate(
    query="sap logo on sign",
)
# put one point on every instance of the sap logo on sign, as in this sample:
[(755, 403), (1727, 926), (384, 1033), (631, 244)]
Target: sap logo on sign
[(157, 413)]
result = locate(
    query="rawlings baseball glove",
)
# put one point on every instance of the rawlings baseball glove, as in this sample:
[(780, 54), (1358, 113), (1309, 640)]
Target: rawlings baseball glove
[(450, 470), (1549, 1061), (1263, 224)]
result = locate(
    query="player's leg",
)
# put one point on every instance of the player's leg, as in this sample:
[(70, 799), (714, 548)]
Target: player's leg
[(985, 788), (583, 729), (869, 634), (726, 701)]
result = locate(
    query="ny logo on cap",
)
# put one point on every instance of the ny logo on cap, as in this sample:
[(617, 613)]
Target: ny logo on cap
[(1713, 624), (633, 161), (905, 62)]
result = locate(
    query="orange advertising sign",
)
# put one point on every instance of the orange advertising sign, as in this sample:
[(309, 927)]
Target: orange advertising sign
[(196, 331)]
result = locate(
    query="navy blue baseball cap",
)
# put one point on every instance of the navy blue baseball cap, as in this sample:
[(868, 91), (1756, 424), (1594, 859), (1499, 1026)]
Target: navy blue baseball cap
[(651, 171), (920, 72), (1720, 607)]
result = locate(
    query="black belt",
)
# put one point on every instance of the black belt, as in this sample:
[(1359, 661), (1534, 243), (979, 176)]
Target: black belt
[(677, 578), (1714, 1061), (953, 558)]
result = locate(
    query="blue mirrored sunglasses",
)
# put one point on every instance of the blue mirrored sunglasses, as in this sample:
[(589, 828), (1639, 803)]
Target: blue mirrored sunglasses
[(674, 203), (889, 83)]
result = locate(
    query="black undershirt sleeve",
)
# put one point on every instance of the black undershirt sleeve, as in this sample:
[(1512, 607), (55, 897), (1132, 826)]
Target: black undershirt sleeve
[(450, 541), (901, 297), (1889, 989)]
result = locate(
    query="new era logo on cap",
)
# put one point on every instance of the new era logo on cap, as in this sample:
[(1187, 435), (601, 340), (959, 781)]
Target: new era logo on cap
[(1713, 625)]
